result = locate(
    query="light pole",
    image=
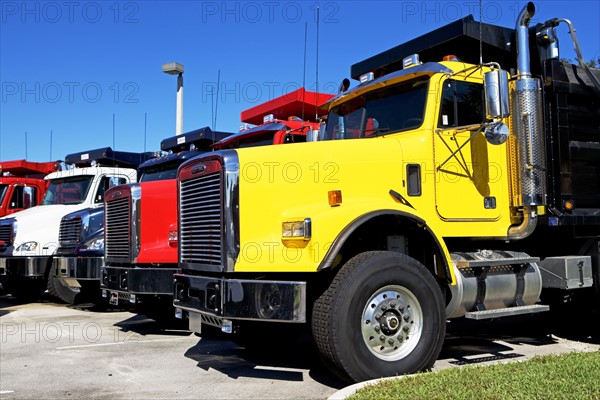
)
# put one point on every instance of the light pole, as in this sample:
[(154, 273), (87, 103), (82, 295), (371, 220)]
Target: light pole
[(177, 69)]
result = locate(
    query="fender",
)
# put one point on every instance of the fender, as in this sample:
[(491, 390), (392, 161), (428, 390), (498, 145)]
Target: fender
[(341, 239)]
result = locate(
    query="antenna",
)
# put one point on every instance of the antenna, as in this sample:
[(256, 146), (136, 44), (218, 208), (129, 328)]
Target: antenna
[(480, 34), (217, 100), (26, 145), (212, 107), (317, 71), (113, 146), (50, 145), (304, 72), (145, 129)]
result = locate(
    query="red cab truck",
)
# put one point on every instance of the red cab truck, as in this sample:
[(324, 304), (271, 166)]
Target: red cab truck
[(22, 184), (141, 219), (152, 245)]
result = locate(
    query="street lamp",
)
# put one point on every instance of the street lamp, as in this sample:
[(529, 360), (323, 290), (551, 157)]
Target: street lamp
[(177, 69)]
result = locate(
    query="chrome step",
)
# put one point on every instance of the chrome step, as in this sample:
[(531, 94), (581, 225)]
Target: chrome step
[(507, 312)]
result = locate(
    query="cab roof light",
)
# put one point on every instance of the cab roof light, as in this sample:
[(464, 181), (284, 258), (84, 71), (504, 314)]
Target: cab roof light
[(268, 118), (410, 61), (368, 77)]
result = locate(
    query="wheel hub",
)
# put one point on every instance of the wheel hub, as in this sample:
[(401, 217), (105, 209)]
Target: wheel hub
[(390, 319)]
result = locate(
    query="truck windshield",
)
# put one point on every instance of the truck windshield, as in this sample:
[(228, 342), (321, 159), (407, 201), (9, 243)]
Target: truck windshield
[(160, 172), (393, 109), (3, 190), (72, 190)]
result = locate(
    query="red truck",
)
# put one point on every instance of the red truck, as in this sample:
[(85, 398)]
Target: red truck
[(22, 184), (141, 219)]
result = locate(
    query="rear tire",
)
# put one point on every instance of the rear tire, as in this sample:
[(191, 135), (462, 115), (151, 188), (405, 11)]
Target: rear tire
[(383, 315)]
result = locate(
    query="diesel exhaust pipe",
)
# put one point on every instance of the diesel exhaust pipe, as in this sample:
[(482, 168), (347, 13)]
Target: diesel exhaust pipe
[(528, 125)]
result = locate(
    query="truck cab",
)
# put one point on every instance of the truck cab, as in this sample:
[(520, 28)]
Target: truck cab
[(28, 256), (22, 184)]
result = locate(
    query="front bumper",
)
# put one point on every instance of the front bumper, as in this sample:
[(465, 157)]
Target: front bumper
[(82, 268), (218, 299), (156, 281), (2, 266), (36, 266)]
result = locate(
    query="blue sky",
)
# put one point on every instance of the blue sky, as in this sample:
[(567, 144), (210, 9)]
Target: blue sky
[(68, 66)]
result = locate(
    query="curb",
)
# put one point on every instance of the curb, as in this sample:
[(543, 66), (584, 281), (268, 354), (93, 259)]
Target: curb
[(350, 390)]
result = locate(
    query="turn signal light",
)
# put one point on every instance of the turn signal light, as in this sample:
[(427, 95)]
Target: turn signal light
[(569, 205), (335, 198), (173, 235)]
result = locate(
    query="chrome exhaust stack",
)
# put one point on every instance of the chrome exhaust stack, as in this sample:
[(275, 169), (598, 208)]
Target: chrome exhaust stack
[(527, 119)]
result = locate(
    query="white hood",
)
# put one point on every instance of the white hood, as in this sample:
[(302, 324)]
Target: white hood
[(41, 224)]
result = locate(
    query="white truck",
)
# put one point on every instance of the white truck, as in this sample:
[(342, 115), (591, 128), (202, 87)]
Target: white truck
[(29, 239)]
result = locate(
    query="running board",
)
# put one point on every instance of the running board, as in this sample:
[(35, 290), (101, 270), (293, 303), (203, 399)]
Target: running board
[(507, 312)]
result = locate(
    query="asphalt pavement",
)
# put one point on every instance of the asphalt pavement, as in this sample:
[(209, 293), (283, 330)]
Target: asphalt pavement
[(51, 350)]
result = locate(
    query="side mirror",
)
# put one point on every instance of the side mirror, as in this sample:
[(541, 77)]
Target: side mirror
[(496, 133), (495, 84)]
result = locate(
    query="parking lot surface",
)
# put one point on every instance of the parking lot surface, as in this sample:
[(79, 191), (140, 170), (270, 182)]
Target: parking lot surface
[(50, 350)]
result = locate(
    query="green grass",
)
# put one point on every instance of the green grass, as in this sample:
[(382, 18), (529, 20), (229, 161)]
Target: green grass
[(566, 376)]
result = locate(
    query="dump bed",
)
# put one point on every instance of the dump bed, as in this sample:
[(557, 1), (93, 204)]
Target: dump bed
[(572, 114)]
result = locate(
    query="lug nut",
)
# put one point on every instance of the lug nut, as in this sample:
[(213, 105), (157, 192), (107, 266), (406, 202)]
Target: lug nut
[(406, 317), (377, 317), (391, 341), (377, 328), (405, 328), (401, 307), (382, 338), (400, 339), (383, 307), (393, 305)]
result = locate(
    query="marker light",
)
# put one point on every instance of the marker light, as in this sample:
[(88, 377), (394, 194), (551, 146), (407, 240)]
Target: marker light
[(335, 197), (173, 235)]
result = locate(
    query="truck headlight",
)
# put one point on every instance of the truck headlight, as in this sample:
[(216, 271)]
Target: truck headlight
[(27, 246), (96, 244), (297, 230)]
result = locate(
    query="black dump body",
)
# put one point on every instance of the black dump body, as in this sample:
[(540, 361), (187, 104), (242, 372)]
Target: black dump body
[(109, 158), (571, 107), (572, 119), (202, 139)]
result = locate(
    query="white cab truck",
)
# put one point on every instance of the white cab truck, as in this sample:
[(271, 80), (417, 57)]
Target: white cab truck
[(27, 257)]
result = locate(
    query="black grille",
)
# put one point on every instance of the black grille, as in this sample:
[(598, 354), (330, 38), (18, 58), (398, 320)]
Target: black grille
[(201, 219), (70, 231), (118, 216), (5, 235)]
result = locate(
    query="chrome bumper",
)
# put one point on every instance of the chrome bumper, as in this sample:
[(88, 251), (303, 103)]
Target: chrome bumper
[(216, 299), (27, 266), (157, 281), (85, 268)]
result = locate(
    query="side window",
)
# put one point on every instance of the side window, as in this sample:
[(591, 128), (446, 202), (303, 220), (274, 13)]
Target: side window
[(16, 201), (106, 183), (462, 104)]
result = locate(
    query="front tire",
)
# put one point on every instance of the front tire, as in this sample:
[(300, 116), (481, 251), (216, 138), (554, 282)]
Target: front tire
[(383, 315)]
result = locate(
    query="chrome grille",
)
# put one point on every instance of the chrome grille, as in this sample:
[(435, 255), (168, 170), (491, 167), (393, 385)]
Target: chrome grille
[(201, 219), (70, 231), (116, 230), (5, 235)]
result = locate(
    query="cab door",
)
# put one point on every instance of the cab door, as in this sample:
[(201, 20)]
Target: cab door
[(467, 167)]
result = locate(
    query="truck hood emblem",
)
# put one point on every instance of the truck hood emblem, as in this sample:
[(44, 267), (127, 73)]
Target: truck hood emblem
[(198, 169)]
